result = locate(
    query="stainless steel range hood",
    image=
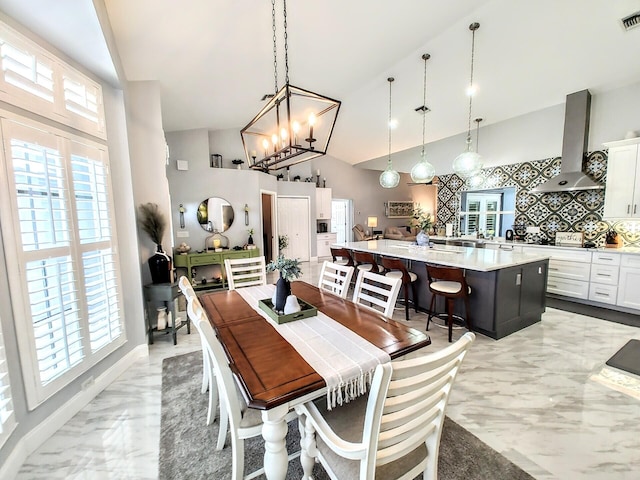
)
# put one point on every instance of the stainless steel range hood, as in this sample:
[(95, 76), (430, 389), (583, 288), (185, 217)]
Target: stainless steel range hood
[(574, 146)]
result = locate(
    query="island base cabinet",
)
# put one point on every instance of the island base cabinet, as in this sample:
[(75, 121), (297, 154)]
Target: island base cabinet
[(502, 301)]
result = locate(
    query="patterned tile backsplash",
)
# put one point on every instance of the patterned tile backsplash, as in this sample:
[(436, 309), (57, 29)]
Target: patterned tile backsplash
[(579, 211)]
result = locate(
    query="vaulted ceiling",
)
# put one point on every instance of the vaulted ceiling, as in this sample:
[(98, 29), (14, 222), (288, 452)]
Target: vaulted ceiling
[(214, 59)]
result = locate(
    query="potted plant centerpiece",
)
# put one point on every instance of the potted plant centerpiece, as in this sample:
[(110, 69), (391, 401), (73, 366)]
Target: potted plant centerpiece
[(154, 224), (289, 270), (422, 221)]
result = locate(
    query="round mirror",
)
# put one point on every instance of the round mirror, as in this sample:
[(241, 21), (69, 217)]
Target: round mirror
[(215, 214)]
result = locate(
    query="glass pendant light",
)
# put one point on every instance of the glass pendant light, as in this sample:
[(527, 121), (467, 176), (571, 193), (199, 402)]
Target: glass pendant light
[(469, 162), (423, 171), (389, 178)]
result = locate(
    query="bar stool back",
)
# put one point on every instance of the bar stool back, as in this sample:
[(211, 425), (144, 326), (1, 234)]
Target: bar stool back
[(394, 267), (366, 262), (341, 256), (450, 283)]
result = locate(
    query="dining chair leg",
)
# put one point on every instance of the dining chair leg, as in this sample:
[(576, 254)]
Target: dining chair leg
[(223, 426)]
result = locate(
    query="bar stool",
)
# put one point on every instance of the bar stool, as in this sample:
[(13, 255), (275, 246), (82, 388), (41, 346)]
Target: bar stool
[(341, 256), (394, 267), (450, 283), (365, 261)]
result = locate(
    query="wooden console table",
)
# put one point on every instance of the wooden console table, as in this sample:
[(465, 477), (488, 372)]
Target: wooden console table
[(191, 260)]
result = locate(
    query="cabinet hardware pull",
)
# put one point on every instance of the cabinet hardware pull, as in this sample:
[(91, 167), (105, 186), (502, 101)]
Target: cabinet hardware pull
[(602, 294), (635, 207), (603, 275), (552, 285), (629, 208)]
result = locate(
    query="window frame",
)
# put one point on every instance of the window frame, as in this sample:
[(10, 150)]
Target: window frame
[(17, 259)]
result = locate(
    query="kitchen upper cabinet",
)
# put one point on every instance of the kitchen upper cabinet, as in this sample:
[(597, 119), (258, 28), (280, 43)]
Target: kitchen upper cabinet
[(323, 203), (622, 194)]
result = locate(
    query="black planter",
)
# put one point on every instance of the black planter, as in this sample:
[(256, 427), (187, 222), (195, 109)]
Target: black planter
[(250, 240), (160, 267), (283, 290)]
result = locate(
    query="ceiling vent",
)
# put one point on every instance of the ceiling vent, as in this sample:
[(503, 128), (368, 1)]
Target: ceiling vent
[(631, 21)]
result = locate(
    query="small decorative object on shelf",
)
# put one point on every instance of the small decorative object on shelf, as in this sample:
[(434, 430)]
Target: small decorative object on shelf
[(154, 224), (215, 161), (238, 163), (289, 270), (183, 249), (250, 239)]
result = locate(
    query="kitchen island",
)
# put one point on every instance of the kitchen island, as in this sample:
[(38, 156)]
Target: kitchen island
[(507, 288)]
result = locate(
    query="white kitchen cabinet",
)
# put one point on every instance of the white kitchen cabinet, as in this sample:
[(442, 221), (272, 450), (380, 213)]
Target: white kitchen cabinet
[(325, 240), (622, 194), (323, 203), (628, 283), (569, 270)]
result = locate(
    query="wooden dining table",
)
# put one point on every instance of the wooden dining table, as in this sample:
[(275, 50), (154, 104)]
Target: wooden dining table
[(273, 377)]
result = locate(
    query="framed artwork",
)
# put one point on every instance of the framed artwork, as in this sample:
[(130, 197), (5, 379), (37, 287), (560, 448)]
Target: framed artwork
[(398, 209)]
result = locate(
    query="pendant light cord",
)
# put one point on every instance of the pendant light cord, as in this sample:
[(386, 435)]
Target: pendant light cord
[(286, 45), (425, 57), (390, 80), (275, 50), (473, 27)]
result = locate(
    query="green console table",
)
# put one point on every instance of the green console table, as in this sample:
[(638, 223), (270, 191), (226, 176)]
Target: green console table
[(191, 260)]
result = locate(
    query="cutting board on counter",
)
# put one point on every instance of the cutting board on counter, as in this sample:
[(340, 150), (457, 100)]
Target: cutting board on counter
[(569, 239)]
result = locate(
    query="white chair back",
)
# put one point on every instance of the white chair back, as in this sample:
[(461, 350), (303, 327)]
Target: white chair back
[(335, 278), (186, 288), (377, 292), (245, 272), (402, 422)]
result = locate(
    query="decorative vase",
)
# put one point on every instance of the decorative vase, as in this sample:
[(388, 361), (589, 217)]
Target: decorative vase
[(162, 320), (422, 238), (291, 305), (250, 240), (283, 290), (160, 266)]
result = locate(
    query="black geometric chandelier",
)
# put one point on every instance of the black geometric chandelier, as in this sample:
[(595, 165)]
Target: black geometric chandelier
[(294, 126)]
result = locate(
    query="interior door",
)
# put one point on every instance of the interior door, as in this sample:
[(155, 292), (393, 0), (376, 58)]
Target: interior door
[(293, 221), (268, 225), (341, 219)]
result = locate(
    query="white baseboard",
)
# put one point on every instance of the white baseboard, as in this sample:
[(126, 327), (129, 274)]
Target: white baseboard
[(40, 434)]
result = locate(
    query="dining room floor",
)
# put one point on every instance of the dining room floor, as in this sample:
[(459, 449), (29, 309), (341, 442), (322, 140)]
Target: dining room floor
[(541, 397)]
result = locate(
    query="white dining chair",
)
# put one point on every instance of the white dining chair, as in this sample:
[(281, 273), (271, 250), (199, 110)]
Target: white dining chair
[(394, 433), (189, 294), (245, 272), (244, 423), (335, 278), (377, 292), (196, 313)]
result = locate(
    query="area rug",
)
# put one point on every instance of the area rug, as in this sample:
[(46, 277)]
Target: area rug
[(187, 452)]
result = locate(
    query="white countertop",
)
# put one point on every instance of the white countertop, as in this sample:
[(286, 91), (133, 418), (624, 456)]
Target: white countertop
[(631, 250), (479, 259)]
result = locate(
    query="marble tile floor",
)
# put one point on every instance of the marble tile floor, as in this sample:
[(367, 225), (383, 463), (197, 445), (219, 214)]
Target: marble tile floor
[(528, 396)]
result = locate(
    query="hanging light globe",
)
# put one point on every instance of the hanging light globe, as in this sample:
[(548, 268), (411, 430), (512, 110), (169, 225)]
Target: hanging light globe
[(467, 164), (423, 171), (389, 178)]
